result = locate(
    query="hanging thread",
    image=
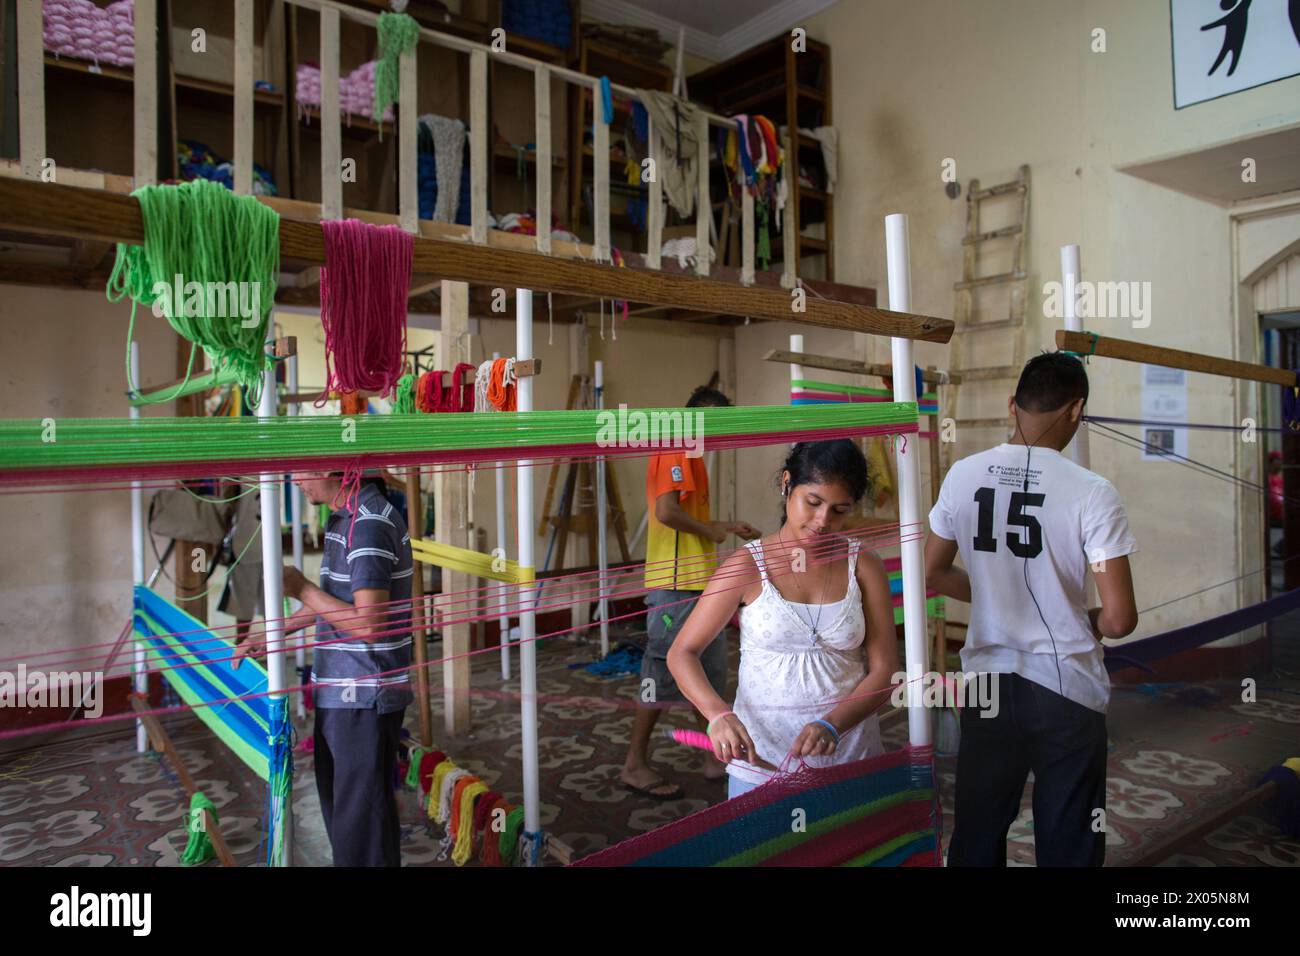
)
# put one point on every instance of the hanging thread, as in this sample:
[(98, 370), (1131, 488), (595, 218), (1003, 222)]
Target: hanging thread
[(363, 288), (209, 263), (398, 34)]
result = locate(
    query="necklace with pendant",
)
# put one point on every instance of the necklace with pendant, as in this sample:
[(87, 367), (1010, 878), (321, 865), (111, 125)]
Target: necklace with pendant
[(812, 623)]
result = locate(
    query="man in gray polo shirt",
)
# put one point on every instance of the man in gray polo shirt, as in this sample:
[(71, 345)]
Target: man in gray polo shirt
[(361, 666)]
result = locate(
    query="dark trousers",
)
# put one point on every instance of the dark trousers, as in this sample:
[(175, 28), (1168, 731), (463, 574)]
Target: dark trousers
[(356, 759), (1064, 744)]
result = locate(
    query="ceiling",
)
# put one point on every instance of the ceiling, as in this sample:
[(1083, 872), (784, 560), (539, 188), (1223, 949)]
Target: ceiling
[(1215, 173), (715, 29)]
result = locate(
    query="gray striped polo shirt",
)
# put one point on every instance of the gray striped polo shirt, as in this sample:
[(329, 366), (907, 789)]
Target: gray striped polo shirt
[(351, 673)]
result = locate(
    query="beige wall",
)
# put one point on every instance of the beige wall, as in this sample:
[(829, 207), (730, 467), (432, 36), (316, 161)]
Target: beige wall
[(65, 569), (997, 84)]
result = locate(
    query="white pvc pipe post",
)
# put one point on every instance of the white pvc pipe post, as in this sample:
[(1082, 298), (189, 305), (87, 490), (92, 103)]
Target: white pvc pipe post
[(911, 527), (273, 591), (503, 621), (602, 546), (796, 371), (527, 608), (295, 513), (1077, 450), (137, 564)]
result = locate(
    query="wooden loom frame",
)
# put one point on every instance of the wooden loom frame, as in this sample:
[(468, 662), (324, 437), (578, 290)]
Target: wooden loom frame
[(103, 214)]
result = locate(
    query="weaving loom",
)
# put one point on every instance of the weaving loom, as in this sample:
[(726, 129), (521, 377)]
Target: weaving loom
[(877, 812)]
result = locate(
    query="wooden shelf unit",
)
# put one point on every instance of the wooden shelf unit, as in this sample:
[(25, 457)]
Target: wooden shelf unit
[(772, 80), (599, 58)]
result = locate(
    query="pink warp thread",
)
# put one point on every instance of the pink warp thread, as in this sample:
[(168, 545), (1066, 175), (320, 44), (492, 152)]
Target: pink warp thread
[(363, 288)]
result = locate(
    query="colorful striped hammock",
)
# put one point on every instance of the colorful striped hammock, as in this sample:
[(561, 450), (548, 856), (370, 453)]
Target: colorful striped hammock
[(197, 665), (876, 812)]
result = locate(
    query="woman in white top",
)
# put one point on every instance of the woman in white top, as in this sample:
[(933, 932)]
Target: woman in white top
[(817, 642)]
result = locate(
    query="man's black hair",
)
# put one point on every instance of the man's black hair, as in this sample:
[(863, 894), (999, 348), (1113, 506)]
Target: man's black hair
[(709, 397), (1051, 381)]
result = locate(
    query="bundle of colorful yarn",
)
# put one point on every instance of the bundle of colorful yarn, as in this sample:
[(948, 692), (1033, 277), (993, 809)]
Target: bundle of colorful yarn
[(475, 816), (525, 223), (356, 90), (431, 396), (99, 34), (197, 161)]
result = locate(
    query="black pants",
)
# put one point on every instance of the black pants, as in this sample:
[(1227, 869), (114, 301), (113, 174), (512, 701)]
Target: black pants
[(1064, 744), (356, 758)]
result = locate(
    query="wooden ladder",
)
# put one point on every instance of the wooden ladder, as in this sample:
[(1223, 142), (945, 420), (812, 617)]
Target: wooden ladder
[(969, 321)]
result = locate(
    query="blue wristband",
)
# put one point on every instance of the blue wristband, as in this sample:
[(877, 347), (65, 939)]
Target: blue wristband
[(831, 727)]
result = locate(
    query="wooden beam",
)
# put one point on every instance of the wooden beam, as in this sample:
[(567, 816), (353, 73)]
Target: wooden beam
[(600, 173), (703, 207), (331, 149), (31, 88), (53, 209), (832, 364), (1085, 343), (88, 255), (542, 137), (145, 93), (408, 202), (162, 742), (479, 146), (243, 94)]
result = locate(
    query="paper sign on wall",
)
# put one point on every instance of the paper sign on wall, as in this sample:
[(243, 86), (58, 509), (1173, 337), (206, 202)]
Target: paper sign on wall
[(1164, 400), (1225, 46)]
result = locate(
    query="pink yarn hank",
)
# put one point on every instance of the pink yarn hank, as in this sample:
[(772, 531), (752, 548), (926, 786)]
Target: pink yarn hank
[(363, 288), (692, 738)]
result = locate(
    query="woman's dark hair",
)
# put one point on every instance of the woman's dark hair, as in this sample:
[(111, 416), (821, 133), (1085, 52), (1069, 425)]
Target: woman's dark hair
[(709, 397), (838, 461), (1050, 381)]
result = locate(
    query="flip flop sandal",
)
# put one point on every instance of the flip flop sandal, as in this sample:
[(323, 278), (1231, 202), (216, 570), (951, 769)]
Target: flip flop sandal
[(675, 794)]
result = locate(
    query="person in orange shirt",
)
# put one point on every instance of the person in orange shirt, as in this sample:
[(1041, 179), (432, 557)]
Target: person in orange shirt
[(681, 541)]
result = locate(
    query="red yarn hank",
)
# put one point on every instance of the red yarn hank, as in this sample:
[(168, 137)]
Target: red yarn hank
[(428, 763), (460, 397), (428, 392), (482, 806), (363, 288), (491, 852)]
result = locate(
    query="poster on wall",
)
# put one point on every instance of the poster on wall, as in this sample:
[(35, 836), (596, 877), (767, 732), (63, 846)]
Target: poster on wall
[(1164, 406), (1225, 46)]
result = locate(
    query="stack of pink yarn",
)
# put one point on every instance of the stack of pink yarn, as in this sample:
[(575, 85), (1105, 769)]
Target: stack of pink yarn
[(356, 90), (80, 29)]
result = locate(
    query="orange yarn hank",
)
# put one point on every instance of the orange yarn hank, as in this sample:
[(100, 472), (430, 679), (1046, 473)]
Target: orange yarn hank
[(503, 396)]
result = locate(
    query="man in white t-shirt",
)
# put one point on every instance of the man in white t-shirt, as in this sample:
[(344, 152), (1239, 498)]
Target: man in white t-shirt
[(1028, 523)]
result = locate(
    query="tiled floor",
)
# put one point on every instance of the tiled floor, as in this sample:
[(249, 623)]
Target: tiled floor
[(1177, 753)]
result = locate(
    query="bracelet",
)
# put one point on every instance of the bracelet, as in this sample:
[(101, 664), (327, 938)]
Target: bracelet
[(728, 713), (835, 734)]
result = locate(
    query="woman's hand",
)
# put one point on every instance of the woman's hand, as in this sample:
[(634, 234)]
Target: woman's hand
[(815, 740), (731, 740)]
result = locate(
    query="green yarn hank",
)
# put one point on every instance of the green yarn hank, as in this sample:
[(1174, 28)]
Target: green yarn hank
[(510, 835), (404, 396), (199, 848), (210, 263), (398, 34)]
